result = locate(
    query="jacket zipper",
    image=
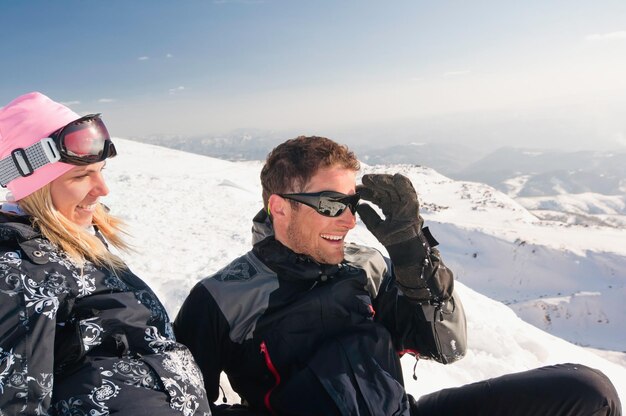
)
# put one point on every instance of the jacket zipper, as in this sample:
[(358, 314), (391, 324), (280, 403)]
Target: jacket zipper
[(415, 354), (274, 371)]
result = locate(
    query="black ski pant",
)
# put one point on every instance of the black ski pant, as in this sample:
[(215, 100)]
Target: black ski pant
[(558, 390)]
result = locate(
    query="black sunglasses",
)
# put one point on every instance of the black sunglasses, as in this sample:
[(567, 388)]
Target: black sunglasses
[(326, 203)]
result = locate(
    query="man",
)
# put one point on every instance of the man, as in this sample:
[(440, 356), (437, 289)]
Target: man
[(307, 324)]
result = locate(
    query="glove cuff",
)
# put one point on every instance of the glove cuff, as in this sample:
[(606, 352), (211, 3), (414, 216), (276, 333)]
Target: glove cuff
[(417, 269), (410, 252)]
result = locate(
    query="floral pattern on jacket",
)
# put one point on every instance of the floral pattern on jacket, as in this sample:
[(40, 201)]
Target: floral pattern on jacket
[(85, 340)]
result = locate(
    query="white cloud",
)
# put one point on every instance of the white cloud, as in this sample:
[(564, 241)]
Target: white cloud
[(416, 79), (106, 100), (169, 55), (143, 58), (619, 35), (175, 90), (70, 103), (456, 73)]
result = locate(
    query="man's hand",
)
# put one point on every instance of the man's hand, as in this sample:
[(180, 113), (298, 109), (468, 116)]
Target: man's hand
[(397, 198), (415, 263)]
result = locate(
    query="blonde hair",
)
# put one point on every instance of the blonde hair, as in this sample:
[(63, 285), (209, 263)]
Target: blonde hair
[(77, 242)]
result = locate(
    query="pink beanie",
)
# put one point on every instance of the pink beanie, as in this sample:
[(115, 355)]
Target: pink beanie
[(25, 121)]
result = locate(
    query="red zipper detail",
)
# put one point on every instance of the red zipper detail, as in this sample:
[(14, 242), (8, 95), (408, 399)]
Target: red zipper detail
[(372, 311), (274, 371), (409, 351)]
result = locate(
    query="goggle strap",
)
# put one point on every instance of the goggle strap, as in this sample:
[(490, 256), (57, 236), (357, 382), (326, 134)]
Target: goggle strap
[(23, 162)]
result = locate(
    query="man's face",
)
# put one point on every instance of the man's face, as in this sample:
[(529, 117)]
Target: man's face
[(320, 237)]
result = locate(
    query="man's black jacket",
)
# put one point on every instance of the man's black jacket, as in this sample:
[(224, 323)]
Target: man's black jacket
[(301, 338)]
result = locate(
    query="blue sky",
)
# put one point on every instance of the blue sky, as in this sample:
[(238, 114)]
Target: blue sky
[(544, 73)]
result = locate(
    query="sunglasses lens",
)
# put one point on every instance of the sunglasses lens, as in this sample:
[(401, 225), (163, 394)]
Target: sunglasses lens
[(353, 202), (330, 208), (333, 207)]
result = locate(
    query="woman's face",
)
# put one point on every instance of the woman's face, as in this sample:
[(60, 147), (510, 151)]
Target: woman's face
[(75, 194)]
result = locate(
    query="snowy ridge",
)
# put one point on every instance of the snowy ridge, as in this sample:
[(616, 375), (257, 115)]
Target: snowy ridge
[(585, 208), (497, 247), (476, 206), (189, 215)]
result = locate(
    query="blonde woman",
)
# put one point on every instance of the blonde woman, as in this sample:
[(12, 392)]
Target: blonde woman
[(80, 334)]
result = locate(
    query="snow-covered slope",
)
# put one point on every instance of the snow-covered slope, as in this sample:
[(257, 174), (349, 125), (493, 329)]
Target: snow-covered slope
[(569, 280), (189, 215), (584, 208)]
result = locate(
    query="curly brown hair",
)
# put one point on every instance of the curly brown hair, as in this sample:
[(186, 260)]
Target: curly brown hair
[(292, 164)]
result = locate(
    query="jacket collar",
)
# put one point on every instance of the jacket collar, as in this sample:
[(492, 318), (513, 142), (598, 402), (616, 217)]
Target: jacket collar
[(261, 227), (290, 265), (16, 231), (15, 227)]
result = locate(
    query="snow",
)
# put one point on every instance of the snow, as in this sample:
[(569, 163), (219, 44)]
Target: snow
[(515, 185), (189, 215), (531, 153), (583, 203), (583, 208)]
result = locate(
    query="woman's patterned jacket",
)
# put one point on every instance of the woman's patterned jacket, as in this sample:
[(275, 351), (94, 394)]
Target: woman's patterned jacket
[(84, 340)]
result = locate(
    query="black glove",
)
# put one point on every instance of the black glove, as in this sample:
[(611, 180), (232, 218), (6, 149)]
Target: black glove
[(418, 268)]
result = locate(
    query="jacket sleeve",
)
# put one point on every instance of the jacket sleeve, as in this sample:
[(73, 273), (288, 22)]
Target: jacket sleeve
[(28, 310), (201, 326), (432, 330)]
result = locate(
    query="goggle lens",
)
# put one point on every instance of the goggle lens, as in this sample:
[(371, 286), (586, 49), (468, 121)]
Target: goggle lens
[(84, 141), (326, 203)]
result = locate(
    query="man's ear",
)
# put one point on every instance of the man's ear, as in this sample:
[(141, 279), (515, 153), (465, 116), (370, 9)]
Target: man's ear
[(280, 211), (277, 207)]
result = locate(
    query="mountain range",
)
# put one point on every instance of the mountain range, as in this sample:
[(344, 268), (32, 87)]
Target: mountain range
[(572, 187)]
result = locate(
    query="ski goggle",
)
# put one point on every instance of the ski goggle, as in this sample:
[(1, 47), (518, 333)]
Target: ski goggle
[(84, 141), (81, 142), (326, 203)]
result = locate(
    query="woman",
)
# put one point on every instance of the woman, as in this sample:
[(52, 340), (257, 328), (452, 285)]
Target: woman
[(80, 334)]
